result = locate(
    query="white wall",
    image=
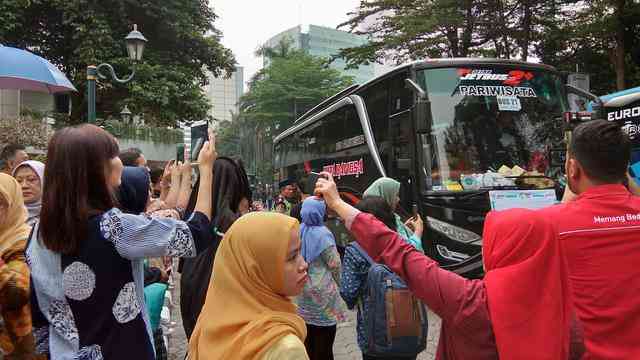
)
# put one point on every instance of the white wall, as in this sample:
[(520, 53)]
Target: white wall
[(151, 150), (12, 100)]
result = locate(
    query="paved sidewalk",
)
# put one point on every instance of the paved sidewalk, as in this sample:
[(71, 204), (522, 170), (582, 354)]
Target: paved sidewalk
[(177, 339), (344, 348)]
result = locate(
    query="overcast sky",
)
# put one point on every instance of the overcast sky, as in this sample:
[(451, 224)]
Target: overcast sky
[(246, 24)]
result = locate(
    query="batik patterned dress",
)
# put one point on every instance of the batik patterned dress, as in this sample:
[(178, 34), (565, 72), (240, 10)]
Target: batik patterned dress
[(320, 303), (90, 306), (16, 339)]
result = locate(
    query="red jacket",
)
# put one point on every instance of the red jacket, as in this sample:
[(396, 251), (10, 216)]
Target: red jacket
[(461, 303), (600, 238)]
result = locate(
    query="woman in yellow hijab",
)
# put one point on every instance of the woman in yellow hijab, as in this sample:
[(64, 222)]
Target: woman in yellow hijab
[(16, 339), (248, 313)]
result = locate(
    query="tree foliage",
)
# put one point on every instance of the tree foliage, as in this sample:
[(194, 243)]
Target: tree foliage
[(72, 34), (599, 35), (291, 83)]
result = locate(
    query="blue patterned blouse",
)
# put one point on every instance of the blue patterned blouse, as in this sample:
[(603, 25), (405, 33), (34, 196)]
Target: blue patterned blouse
[(90, 305)]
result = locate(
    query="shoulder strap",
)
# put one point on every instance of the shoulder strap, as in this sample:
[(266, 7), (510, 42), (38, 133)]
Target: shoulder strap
[(34, 229), (364, 254)]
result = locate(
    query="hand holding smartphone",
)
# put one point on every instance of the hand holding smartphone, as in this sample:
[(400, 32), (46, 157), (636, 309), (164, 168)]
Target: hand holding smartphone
[(310, 186)]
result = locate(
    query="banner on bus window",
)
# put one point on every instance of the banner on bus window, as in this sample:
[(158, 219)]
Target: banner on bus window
[(512, 78), (486, 82), (350, 168), (488, 90)]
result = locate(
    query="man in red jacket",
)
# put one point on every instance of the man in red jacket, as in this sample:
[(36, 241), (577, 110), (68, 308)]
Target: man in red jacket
[(600, 239)]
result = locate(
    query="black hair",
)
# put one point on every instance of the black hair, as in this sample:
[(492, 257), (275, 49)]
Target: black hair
[(77, 189), (230, 186), (156, 175), (133, 192), (378, 207), (603, 150), (130, 156), (10, 150), (301, 183)]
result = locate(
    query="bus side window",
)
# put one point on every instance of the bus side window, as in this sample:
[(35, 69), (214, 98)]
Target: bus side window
[(376, 99), (400, 97), (402, 138)]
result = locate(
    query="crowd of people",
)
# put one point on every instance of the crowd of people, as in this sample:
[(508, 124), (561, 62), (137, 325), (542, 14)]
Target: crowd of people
[(87, 244)]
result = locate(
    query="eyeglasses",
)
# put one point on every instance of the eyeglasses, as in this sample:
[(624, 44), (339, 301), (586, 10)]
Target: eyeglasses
[(30, 180)]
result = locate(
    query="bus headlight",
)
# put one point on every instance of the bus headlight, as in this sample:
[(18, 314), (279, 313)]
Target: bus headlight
[(454, 232)]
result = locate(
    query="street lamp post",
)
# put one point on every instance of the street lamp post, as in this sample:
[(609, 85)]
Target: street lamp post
[(135, 42)]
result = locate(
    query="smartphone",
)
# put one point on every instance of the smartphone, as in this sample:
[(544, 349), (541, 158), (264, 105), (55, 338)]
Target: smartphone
[(414, 210), (310, 186), (199, 134), (196, 149), (180, 153)]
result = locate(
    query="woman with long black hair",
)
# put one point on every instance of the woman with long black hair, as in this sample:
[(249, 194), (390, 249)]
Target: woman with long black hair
[(230, 199), (86, 256)]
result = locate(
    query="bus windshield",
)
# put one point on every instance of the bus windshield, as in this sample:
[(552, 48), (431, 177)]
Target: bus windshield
[(499, 119)]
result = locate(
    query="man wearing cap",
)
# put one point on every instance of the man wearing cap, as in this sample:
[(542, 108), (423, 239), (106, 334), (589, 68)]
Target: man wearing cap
[(286, 199)]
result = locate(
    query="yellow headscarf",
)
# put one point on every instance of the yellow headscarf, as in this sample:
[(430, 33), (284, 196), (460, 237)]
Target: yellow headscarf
[(13, 227), (244, 313)]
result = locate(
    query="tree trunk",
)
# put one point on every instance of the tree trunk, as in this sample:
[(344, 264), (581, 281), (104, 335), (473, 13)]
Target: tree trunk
[(619, 50)]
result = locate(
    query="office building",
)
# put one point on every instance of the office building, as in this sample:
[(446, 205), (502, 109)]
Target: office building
[(224, 94), (326, 42)]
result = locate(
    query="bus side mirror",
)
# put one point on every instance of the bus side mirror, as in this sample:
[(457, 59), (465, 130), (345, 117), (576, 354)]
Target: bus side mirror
[(422, 108), (422, 114)]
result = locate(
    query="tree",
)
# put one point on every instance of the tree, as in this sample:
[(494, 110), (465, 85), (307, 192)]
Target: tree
[(293, 82), (407, 30), (601, 37), (183, 44)]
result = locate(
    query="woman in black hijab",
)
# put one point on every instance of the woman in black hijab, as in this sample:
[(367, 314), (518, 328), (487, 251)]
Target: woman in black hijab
[(231, 196), (133, 193)]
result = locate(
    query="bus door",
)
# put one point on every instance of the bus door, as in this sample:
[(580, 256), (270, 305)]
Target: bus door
[(402, 141)]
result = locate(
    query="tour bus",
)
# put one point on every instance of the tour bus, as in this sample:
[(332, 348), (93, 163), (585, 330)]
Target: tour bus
[(458, 134), (623, 108)]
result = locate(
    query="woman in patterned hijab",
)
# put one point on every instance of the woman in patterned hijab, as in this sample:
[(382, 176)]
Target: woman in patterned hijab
[(16, 340)]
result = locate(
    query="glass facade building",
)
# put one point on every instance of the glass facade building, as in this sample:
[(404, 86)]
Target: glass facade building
[(224, 94), (326, 42)]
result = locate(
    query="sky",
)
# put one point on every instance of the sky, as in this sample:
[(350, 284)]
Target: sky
[(246, 24)]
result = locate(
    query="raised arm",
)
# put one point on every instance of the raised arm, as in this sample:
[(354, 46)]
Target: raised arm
[(185, 186), (176, 177), (165, 182), (206, 159), (141, 236), (446, 293)]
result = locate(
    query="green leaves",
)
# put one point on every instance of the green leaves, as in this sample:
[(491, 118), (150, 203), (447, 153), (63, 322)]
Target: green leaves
[(601, 36), (183, 44), (292, 83)]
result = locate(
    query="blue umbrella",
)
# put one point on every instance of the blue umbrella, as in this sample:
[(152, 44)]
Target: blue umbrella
[(22, 70)]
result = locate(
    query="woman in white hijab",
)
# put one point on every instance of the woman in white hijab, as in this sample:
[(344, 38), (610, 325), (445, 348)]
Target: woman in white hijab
[(30, 175)]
